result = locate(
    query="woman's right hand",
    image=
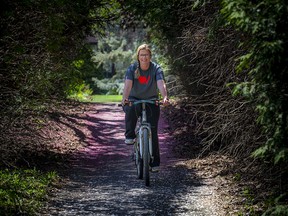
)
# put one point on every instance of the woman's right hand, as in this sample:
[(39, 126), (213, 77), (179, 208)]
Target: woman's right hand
[(124, 101)]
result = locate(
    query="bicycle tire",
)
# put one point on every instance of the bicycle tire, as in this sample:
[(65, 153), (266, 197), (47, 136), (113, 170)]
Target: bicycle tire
[(138, 162), (146, 157)]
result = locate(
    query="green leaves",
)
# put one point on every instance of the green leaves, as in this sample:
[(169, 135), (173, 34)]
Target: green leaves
[(244, 62), (281, 156), (264, 22)]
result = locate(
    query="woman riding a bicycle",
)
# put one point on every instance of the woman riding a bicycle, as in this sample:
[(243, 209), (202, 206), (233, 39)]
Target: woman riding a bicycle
[(143, 80)]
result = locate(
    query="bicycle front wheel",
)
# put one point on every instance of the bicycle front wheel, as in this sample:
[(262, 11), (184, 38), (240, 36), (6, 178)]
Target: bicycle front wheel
[(138, 161), (146, 157)]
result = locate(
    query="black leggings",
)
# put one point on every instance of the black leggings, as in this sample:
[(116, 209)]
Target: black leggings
[(153, 114)]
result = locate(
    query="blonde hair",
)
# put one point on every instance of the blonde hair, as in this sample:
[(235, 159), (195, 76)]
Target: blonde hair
[(141, 47)]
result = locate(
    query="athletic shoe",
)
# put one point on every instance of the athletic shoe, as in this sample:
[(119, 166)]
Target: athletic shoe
[(129, 141), (154, 169)]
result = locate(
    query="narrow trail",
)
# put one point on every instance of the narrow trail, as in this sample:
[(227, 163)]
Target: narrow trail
[(102, 179)]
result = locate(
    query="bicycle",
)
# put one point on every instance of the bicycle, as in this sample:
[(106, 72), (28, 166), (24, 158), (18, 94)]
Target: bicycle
[(143, 152)]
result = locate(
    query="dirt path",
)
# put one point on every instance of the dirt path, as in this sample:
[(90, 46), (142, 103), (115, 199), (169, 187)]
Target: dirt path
[(102, 179)]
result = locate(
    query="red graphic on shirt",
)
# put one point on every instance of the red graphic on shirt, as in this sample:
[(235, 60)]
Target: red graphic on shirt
[(144, 80)]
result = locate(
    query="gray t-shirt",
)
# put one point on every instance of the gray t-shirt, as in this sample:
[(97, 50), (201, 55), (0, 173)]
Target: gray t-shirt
[(145, 87)]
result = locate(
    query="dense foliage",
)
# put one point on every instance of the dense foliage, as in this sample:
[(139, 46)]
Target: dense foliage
[(44, 54), (43, 58), (266, 62), (42, 43)]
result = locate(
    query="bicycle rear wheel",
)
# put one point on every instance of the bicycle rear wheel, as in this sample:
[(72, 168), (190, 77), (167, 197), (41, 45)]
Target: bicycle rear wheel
[(146, 157)]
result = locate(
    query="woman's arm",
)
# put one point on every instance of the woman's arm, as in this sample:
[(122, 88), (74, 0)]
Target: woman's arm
[(163, 91), (127, 89)]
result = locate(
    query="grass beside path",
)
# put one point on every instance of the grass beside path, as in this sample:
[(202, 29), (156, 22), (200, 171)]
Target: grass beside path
[(105, 98)]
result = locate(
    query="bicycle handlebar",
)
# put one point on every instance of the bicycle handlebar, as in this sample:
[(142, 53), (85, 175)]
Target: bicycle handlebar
[(153, 101), (146, 101)]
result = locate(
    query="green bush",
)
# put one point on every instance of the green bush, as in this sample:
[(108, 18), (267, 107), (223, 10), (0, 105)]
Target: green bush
[(23, 191), (80, 92)]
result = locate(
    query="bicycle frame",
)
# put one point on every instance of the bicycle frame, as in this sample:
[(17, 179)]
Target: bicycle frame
[(143, 155), (144, 125)]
